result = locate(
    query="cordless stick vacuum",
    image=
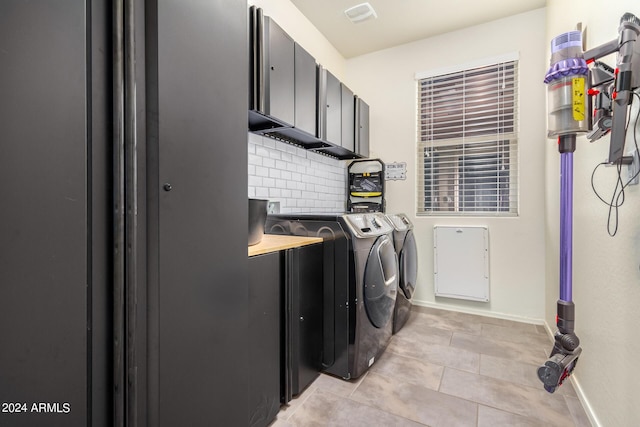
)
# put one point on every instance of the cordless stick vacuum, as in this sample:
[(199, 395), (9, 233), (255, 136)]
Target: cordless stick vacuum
[(567, 93), (566, 90)]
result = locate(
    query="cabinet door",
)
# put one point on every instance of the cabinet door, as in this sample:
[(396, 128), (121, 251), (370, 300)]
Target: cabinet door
[(307, 315), (348, 118), (280, 97), (265, 280), (54, 271), (306, 82), (362, 131), (198, 296), (333, 110)]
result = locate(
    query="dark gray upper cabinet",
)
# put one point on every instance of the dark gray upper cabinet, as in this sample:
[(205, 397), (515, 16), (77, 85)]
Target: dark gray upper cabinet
[(348, 118), (279, 63), (336, 112), (362, 127), (306, 87), (333, 109), (294, 99)]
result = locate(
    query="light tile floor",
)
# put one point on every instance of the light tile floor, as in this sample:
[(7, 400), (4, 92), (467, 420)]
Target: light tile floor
[(445, 369)]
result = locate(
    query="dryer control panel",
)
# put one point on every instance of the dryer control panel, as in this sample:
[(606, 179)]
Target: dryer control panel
[(400, 222), (368, 224)]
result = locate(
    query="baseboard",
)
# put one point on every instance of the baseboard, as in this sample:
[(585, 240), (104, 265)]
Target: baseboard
[(493, 314), (575, 382)]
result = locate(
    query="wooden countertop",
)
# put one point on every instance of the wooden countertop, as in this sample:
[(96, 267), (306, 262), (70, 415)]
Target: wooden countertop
[(277, 242)]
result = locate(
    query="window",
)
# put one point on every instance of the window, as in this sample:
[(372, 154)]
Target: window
[(467, 141)]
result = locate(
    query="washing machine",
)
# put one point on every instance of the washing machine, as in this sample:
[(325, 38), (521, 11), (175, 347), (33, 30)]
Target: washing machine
[(360, 284), (407, 252)]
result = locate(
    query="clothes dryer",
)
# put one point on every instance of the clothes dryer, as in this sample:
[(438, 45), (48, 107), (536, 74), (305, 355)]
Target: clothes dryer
[(360, 284), (407, 252)]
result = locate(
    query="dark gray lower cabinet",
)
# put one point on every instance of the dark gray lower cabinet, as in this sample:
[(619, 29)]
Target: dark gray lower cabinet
[(265, 278), (303, 304), (285, 328)]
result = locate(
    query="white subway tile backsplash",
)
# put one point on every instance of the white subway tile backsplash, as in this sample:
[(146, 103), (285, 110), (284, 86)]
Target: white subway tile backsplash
[(285, 175), (275, 192), (262, 171), (275, 155), (301, 180), (255, 139), (254, 159), (275, 173), (269, 182), (254, 181), (262, 192), (268, 142), (262, 151), (268, 163)]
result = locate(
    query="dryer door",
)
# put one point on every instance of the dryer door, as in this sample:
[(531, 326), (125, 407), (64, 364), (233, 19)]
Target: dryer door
[(380, 282), (408, 265)]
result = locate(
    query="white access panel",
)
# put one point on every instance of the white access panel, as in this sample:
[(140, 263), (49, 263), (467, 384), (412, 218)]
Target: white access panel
[(461, 262)]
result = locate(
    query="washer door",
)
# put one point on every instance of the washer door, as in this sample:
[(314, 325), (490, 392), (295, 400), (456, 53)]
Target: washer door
[(380, 282), (408, 265)]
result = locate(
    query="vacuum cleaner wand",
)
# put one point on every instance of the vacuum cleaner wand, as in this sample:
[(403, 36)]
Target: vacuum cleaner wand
[(566, 348)]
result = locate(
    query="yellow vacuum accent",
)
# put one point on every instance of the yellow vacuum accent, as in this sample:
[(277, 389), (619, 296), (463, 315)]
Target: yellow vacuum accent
[(577, 96)]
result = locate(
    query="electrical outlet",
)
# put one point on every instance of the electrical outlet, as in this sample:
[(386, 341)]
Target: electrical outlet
[(273, 208), (632, 171)]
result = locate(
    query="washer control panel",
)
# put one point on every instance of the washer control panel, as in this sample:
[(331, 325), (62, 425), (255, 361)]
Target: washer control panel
[(368, 224), (400, 222)]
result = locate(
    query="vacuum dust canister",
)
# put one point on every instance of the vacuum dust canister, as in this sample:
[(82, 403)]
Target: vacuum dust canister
[(566, 86)]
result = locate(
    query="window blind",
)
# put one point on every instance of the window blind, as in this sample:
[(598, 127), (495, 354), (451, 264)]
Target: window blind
[(468, 143)]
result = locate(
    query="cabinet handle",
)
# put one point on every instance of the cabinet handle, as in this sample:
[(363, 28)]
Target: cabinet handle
[(167, 187)]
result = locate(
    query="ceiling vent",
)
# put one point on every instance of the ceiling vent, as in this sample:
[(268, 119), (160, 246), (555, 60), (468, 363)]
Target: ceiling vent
[(360, 12)]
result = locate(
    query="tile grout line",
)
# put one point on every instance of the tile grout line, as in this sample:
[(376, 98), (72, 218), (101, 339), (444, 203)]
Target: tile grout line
[(360, 381), (377, 408)]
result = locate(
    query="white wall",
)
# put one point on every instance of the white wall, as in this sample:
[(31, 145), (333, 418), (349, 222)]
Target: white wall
[(385, 79), (606, 276)]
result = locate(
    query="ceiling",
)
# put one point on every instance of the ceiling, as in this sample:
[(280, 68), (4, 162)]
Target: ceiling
[(403, 21)]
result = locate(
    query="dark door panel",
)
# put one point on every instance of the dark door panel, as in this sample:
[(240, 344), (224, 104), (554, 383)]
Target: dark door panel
[(44, 273), (199, 124)]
